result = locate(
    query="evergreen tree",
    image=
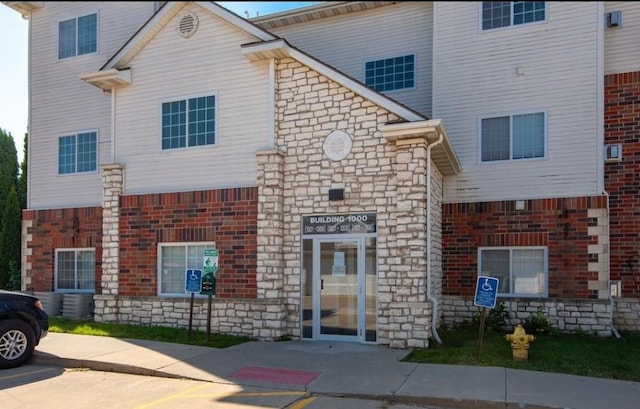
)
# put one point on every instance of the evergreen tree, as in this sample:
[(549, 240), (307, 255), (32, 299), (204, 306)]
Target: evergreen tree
[(22, 179), (10, 230), (8, 167)]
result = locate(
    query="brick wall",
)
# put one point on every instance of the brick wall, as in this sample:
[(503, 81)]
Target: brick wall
[(622, 178), (227, 216), (560, 224), (48, 230)]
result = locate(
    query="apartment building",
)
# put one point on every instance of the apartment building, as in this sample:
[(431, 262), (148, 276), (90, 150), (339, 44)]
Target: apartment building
[(350, 168)]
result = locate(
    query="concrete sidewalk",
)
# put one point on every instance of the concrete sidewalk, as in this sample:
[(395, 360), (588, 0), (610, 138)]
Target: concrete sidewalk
[(340, 369)]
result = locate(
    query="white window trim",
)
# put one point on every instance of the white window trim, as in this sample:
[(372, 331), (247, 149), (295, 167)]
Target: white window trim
[(76, 173), (511, 115), (55, 271), (511, 25), (215, 144), (415, 72), (510, 248), (208, 244), (97, 13)]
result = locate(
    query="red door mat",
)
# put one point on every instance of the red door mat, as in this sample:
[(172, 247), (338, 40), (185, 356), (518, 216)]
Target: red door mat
[(275, 375)]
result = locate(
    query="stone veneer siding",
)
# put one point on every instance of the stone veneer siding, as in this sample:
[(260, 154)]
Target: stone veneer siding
[(622, 182), (44, 231), (575, 231), (377, 176)]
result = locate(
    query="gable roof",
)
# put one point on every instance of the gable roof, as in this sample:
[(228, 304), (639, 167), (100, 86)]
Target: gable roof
[(116, 72)]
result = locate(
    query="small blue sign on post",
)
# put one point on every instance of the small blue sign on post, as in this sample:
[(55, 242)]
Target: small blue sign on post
[(486, 292), (193, 281)]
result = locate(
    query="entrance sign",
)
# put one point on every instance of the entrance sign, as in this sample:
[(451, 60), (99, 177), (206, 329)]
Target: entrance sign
[(193, 281), (355, 223), (486, 292)]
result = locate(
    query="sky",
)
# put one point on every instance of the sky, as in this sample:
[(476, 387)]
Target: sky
[(13, 61)]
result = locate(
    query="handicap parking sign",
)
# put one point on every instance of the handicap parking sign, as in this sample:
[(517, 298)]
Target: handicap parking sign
[(486, 292)]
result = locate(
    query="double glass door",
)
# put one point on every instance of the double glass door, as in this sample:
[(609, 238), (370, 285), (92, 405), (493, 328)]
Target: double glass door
[(340, 293)]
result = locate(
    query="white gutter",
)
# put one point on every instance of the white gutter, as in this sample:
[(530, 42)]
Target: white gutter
[(434, 301)]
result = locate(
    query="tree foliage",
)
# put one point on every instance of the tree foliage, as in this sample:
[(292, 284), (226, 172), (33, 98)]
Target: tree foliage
[(22, 179), (10, 242), (10, 212), (8, 167)]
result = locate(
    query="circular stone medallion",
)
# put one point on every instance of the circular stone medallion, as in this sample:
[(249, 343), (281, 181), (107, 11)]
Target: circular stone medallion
[(337, 145)]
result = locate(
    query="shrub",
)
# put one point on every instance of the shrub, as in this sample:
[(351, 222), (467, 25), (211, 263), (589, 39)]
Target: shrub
[(496, 319), (538, 323)]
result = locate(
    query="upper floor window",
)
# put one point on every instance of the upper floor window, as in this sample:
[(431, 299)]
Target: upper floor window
[(173, 260), (189, 122), (496, 14), (78, 153), (391, 73), (75, 270), (78, 36), (513, 137), (521, 271)]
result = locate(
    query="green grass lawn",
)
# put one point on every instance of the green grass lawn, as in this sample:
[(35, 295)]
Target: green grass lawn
[(562, 353), (153, 333), (581, 354)]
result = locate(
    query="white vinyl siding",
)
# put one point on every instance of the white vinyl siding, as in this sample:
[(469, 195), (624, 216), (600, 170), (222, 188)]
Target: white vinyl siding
[(56, 91), (172, 68), (621, 43), (553, 67), (346, 42)]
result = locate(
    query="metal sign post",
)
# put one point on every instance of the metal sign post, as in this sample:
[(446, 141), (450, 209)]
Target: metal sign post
[(210, 266), (486, 294), (193, 284)]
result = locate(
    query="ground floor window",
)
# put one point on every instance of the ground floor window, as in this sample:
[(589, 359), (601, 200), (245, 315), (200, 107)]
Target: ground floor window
[(173, 261), (75, 270), (521, 271)]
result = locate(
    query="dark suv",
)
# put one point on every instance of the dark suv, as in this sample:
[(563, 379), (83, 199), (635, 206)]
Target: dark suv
[(23, 323)]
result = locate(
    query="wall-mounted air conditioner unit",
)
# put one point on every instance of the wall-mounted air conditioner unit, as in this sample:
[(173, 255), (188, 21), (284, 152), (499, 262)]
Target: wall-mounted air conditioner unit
[(614, 19), (613, 152)]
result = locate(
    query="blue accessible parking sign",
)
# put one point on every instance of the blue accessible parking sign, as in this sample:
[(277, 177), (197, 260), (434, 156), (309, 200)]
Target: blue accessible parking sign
[(486, 292), (193, 281)]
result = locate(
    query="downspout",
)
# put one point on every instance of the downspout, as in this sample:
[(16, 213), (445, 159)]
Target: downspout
[(434, 301)]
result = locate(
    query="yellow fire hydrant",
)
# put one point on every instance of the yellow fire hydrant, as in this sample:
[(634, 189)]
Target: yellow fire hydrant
[(519, 343)]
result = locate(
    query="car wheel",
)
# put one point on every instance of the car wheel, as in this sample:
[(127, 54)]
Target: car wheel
[(17, 342)]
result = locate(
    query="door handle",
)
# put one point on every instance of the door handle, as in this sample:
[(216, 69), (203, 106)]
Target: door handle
[(321, 284)]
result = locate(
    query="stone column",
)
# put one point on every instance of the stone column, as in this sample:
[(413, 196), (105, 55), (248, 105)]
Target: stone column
[(410, 313), (112, 189), (270, 316)]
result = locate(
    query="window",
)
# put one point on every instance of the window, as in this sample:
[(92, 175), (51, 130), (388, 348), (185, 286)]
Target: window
[(173, 260), (513, 137), (78, 36), (78, 153), (496, 14), (190, 122), (521, 271), (75, 270), (391, 73)]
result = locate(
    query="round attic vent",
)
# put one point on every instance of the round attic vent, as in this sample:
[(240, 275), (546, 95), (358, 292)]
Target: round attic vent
[(187, 25)]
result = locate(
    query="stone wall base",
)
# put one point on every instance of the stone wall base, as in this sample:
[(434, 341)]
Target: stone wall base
[(258, 319), (407, 325), (570, 316)]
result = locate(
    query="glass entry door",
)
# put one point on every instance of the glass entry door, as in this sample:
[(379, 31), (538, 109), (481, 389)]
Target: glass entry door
[(338, 273)]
